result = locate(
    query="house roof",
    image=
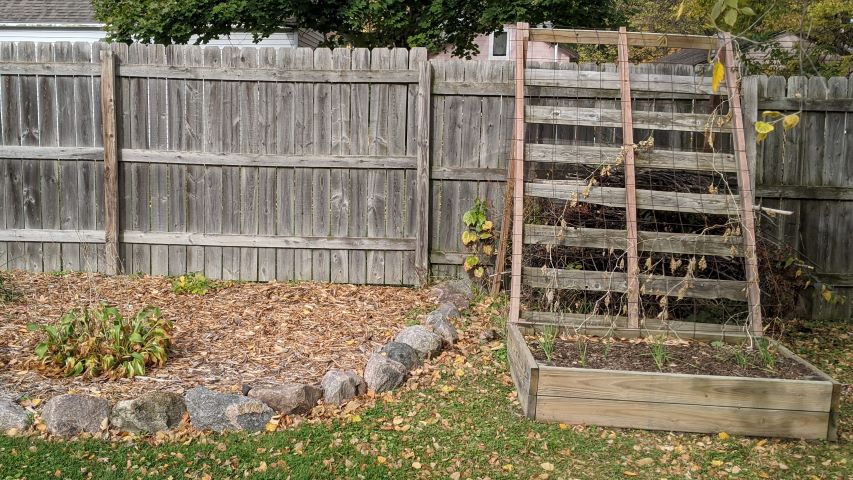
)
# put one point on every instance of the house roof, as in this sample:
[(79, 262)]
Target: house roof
[(685, 56), (47, 11)]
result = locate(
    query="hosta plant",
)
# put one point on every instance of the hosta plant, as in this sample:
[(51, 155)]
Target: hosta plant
[(100, 341), (479, 238)]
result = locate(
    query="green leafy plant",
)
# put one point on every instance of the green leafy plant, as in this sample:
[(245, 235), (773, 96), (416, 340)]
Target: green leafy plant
[(768, 357), (100, 341), (583, 347), (657, 347), (194, 283), (740, 358), (479, 238), (548, 340)]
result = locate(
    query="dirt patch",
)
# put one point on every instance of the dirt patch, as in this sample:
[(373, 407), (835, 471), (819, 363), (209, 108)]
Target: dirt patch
[(682, 356), (240, 334)]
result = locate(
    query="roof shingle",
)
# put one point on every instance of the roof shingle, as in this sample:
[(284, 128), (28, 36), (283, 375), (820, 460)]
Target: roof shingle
[(46, 11)]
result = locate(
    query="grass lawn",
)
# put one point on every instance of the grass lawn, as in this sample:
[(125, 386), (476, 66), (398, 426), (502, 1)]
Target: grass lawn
[(461, 421)]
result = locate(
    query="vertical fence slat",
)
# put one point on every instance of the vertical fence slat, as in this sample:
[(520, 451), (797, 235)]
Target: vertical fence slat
[(110, 140), (422, 212)]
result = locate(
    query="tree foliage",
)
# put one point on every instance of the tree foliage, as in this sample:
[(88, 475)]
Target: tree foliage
[(362, 23)]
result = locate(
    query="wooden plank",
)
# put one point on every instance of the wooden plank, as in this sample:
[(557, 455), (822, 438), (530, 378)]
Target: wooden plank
[(700, 390), (30, 173), (213, 115), (745, 190), (636, 39), (13, 210), (656, 159), (249, 135), (63, 153), (517, 171), (451, 156), (805, 192), (339, 183), (600, 82), (70, 207), (438, 128), (138, 196), (711, 204), (303, 75), (685, 418), (523, 369), (231, 195), (110, 142), (255, 241), (359, 139), (40, 235), (663, 242), (805, 104), (321, 178), (286, 191), (266, 124), (192, 139), (48, 68), (649, 284), (599, 117), (396, 211), (304, 143), (412, 275), (90, 173), (162, 257), (630, 182), (424, 100), (377, 181), (53, 106)]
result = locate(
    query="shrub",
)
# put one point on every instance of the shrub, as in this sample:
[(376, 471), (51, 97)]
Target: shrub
[(100, 341), (193, 284)]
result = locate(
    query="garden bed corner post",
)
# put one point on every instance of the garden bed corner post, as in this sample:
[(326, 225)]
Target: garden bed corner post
[(110, 139), (517, 170)]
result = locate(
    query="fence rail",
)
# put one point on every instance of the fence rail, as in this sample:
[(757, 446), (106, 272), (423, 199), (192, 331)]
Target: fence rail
[(260, 163)]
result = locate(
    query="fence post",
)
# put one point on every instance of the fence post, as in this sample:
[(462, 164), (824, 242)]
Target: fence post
[(111, 199), (630, 182), (750, 116), (517, 169), (424, 100)]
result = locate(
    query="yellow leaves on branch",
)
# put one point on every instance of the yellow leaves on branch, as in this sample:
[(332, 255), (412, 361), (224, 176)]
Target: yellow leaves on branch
[(717, 76), (763, 127)]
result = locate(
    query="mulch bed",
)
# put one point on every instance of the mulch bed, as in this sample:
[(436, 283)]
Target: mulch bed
[(682, 356), (241, 334)]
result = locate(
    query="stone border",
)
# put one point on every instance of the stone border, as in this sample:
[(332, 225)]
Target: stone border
[(387, 369)]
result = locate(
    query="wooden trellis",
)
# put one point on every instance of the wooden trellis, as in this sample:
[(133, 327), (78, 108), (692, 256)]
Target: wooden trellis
[(626, 84)]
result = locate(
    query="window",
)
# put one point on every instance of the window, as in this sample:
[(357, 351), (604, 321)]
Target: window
[(500, 44)]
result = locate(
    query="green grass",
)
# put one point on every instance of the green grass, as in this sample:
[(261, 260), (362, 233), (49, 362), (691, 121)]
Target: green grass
[(466, 424)]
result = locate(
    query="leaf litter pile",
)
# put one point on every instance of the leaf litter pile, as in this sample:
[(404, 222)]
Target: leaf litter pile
[(239, 334)]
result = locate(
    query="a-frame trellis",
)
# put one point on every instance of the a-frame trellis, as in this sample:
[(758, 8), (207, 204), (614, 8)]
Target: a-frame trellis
[(632, 282)]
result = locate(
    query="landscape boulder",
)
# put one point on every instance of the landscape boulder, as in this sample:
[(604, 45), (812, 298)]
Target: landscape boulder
[(222, 412), (69, 415), (442, 325), (420, 338), (400, 352), (339, 386), (383, 374), (456, 292), (12, 415), (289, 398), (448, 309), (151, 412)]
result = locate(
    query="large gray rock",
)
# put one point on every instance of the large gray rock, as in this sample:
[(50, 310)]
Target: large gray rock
[(425, 342), (290, 398), (456, 292), (449, 310), (69, 415), (442, 325), (339, 386), (400, 352), (12, 415), (151, 412), (383, 374), (222, 412)]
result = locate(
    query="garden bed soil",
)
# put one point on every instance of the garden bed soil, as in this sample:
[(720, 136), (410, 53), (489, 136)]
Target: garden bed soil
[(683, 356), (243, 333)]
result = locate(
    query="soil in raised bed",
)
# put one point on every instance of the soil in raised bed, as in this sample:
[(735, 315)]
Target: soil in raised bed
[(682, 356)]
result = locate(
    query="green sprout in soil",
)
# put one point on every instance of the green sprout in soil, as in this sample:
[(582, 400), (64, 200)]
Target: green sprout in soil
[(548, 340), (658, 350)]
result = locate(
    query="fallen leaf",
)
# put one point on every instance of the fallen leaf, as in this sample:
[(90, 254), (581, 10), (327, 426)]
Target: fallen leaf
[(548, 467), (723, 435)]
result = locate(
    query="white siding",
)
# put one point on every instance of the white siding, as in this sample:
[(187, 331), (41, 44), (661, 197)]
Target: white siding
[(242, 39), (93, 34)]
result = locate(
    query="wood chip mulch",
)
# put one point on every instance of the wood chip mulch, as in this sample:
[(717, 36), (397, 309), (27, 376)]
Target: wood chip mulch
[(241, 334)]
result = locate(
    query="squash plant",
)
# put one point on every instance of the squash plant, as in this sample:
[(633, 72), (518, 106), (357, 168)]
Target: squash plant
[(479, 238)]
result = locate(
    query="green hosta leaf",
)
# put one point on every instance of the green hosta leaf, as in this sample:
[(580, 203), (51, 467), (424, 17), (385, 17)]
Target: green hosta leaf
[(470, 262), (730, 17), (41, 350), (33, 327), (731, 3), (747, 11), (135, 337), (716, 10)]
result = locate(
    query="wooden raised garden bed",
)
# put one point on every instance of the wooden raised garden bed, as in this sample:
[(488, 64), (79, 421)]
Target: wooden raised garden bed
[(770, 407)]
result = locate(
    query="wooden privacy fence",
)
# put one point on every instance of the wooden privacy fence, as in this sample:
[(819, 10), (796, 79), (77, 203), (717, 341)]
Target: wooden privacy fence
[(261, 163)]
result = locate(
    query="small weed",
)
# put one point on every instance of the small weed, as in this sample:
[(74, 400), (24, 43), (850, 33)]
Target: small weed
[(658, 350), (583, 346), (412, 316), (740, 358), (501, 354), (608, 344), (193, 284), (548, 340), (8, 293), (100, 341), (768, 358)]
